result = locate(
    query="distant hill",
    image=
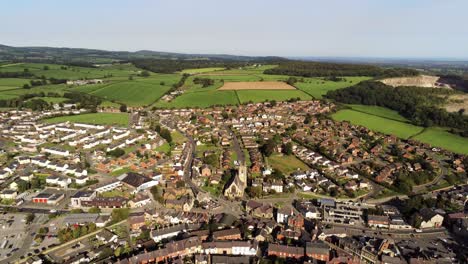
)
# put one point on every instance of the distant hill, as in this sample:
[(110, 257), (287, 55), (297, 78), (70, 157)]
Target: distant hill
[(63, 55)]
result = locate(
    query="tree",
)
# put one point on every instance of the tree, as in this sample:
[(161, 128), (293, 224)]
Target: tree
[(144, 74), (46, 68), (166, 134), (29, 218), (26, 86), (288, 148), (123, 108), (118, 152), (130, 78), (268, 148), (211, 160)]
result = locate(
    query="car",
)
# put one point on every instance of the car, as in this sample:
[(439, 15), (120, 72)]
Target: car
[(418, 230)]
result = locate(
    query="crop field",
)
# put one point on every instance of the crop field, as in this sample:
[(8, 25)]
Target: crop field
[(317, 87), (439, 137), (377, 123), (119, 119), (256, 86)]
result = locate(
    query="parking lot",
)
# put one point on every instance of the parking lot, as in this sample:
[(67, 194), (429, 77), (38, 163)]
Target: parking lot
[(12, 232)]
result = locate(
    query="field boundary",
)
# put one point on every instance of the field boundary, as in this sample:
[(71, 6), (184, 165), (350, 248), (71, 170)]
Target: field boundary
[(389, 118), (238, 98)]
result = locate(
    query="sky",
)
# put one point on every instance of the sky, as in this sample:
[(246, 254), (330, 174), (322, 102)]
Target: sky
[(325, 28)]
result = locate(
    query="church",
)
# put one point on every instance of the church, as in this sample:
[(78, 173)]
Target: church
[(235, 188)]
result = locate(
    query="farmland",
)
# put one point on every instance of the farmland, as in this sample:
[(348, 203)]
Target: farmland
[(119, 119), (229, 87)]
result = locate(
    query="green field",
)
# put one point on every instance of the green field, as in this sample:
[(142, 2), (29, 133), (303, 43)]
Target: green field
[(119, 119), (379, 111), (439, 137), (286, 164), (12, 83), (317, 87), (132, 93), (377, 123), (201, 99)]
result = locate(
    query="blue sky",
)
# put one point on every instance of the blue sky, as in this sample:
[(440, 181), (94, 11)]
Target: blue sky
[(345, 28)]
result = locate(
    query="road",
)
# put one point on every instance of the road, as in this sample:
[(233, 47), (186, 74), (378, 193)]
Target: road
[(385, 233), (237, 147)]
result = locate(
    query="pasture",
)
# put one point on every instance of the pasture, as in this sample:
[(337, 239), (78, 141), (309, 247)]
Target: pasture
[(269, 85), (377, 123), (201, 99), (119, 119)]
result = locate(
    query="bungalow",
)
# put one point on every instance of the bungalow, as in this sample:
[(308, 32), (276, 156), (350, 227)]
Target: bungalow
[(109, 186)]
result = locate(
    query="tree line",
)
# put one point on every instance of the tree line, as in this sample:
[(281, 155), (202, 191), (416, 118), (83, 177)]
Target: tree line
[(171, 66), (418, 104), (326, 69)]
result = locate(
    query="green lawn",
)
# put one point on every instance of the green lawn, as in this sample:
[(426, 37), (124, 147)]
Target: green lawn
[(267, 95), (318, 87), (441, 138), (120, 119), (286, 164), (380, 124), (12, 83), (164, 148)]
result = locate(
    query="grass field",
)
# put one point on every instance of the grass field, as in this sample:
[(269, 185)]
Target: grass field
[(441, 138), (119, 119), (379, 111), (377, 123), (286, 164), (201, 99), (317, 87), (132, 93), (12, 83)]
